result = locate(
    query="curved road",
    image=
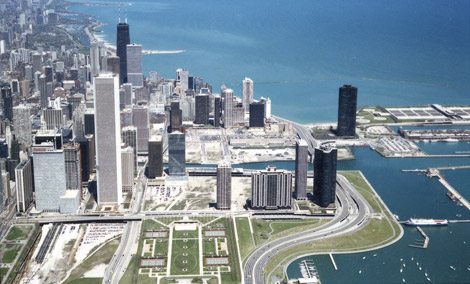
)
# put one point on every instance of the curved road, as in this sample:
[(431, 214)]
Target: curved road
[(353, 213)]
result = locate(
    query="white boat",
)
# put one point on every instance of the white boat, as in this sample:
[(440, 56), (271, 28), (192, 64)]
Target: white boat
[(401, 270), (451, 140), (375, 254), (468, 268), (363, 257), (426, 222), (420, 268), (451, 267), (429, 279), (360, 271), (403, 280)]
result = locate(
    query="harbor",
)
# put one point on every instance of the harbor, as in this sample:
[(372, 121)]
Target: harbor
[(423, 244)]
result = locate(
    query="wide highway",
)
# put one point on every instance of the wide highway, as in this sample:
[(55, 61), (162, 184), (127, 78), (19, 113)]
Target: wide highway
[(353, 212), (304, 133)]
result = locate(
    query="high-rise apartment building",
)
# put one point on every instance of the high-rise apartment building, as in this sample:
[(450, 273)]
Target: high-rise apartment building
[(112, 64), (347, 111), (53, 118), (324, 178), (24, 185), (134, 65), (7, 101), (73, 173), (217, 110), (94, 58), (301, 167), (141, 120), (182, 77), (247, 93), (271, 189), (44, 96), (129, 138), (108, 139), (176, 116), (155, 159), (202, 109), (22, 122), (127, 169), (224, 185), (176, 154), (227, 99), (122, 40)]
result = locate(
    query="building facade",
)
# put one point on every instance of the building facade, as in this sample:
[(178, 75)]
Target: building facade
[(271, 189), (108, 139), (247, 93), (347, 111), (24, 185), (224, 185), (257, 114), (155, 158), (301, 167), (202, 109), (122, 40), (176, 154), (324, 178), (127, 162), (134, 65)]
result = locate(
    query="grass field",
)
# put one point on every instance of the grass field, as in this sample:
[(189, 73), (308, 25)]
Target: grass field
[(185, 257), (161, 248), (173, 280), (208, 247), (17, 233), (10, 255), (245, 240), (185, 234), (86, 281), (103, 255), (364, 189), (3, 273)]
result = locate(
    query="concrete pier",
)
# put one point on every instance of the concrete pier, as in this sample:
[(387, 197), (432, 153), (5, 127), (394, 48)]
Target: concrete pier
[(333, 261), (449, 187), (420, 243)]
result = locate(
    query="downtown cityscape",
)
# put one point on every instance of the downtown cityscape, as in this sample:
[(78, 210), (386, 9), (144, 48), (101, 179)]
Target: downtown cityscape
[(120, 165)]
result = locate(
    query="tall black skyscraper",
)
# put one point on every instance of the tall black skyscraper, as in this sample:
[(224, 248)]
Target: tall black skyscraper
[(89, 123), (176, 116), (301, 166), (202, 109), (7, 102), (155, 163), (217, 110), (257, 115), (324, 178), (122, 40), (347, 111)]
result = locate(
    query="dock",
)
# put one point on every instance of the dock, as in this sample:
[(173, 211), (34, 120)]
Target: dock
[(423, 244), (333, 261), (452, 190)]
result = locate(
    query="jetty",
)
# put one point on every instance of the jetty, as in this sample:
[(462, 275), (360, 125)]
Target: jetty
[(423, 244), (333, 261), (452, 190)]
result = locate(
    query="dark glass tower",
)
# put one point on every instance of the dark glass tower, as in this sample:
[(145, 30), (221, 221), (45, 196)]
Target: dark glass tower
[(155, 163), (7, 102), (122, 40), (256, 115), (347, 111), (176, 154), (301, 166), (217, 110), (324, 178), (202, 109)]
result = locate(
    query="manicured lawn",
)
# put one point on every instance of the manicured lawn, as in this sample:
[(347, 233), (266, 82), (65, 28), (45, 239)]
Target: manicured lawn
[(245, 240), (161, 248), (3, 273), (209, 247), (86, 281), (185, 234), (10, 255), (363, 188), (16, 233), (261, 230), (151, 225), (185, 257)]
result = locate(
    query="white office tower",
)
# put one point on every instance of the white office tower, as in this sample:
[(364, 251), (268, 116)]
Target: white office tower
[(182, 76), (247, 94), (224, 185), (140, 119), (267, 107), (78, 118), (108, 138), (134, 65), (53, 117), (50, 181), (95, 58), (22, 122), (24, 185), (127, 159), (227, 98)]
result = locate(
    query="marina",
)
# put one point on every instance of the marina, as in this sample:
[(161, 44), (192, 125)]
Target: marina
[(421, 243)]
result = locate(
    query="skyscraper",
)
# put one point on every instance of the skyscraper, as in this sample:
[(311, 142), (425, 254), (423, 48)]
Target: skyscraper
[(134, 65), (227, 98), (324, 178), (217, 110), (73, 173), (224, 185), (155, 163), (129, 138), (122, 40), (301, 166), (127, 169), (22, 122), (89, 117), (7, 101), (271, 189), (94, 58), (176, 116), (44, 96), (256, 114), (140, 119), (347, 111), (107, 139), (202, 109), (53, 118), (112, 64), (24, 185), (176, 154), (182, 77), (87, 158), (247, 93)]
